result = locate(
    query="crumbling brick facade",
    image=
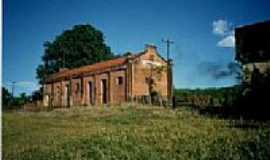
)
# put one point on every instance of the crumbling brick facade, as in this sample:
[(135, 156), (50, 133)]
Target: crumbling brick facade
[(109, 82)]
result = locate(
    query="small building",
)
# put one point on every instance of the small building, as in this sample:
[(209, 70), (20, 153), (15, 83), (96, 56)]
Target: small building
[(253, 48), (114, 81)]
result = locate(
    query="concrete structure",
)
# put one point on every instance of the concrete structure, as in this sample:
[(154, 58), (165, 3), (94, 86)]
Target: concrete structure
[(109, 82), (261, 67), (253, 48)]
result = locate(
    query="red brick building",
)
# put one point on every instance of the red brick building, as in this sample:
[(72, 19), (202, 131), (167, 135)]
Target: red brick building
[(109, 82)]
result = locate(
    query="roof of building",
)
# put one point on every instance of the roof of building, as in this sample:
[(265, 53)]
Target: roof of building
[(257, 25), (87, 68), (253, 43), (91, 68)]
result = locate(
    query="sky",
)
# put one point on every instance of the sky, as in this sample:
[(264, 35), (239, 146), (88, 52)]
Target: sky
[(202, 31)]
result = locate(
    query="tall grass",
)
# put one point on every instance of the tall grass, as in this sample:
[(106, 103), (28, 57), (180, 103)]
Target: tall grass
[(129, 133)]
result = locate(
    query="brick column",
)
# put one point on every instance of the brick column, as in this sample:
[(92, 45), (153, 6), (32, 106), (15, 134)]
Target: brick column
[(51, 101), (70, 96), (95, 90), (110, 93), (129, 80), (82, 102)]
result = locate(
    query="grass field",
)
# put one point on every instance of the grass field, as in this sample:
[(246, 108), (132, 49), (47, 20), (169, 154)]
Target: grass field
[(130, 133)]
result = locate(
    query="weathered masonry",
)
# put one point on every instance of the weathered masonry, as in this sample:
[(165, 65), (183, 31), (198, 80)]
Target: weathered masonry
[(110, 82), (253, 48)]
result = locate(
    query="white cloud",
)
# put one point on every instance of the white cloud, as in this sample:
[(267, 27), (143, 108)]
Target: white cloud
[(223, 29), (29, 85), (25, 83), (220, 27), (227, 42)]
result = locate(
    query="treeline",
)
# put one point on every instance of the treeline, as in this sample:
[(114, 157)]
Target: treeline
[(249, 100), (10, 102), (225, 96)]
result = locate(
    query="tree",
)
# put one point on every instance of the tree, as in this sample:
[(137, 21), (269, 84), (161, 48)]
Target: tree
[(6, 97), (36, 95), (20, 100), (82, 45), (127, 54), (24, 98)]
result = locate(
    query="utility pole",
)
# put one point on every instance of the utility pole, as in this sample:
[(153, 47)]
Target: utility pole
[(13, 88), (168, 43)]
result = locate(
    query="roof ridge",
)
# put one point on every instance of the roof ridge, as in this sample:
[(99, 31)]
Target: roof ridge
[(88, 65), (88, 68), (93, 67)]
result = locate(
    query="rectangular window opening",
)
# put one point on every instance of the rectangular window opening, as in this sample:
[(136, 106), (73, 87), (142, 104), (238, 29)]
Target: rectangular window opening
[(120, 80)]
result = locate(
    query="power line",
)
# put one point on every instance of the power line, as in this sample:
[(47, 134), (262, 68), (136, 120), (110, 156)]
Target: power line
[(13, 88), (168, 44)]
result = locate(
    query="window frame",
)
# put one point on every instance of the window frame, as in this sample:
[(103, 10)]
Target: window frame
[(120, 80)]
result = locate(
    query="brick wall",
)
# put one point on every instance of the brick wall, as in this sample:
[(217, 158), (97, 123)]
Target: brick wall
[(76, 92), (145, 67), (86, 96), (128, 80), (118, 87)]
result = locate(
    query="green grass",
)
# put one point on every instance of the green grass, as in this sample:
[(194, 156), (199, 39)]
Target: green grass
[(129, 133)]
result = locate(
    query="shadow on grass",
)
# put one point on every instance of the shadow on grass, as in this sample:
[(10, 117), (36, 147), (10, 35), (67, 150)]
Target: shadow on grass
[(240, 117)]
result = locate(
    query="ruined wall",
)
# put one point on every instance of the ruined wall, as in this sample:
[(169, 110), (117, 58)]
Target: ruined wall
[(80, 93), (249, 68), (98, 99), (148, 66), (116, 92), (118, 86), (56, 94), (86, 96), (47, 90), (65, 92), (121, 82), (76, 92)]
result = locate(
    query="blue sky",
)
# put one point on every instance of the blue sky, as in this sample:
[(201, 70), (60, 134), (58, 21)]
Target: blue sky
[(202, 31)]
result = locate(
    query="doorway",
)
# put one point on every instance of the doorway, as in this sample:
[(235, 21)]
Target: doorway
[(104, 97), (66, 95), (91, 92)]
